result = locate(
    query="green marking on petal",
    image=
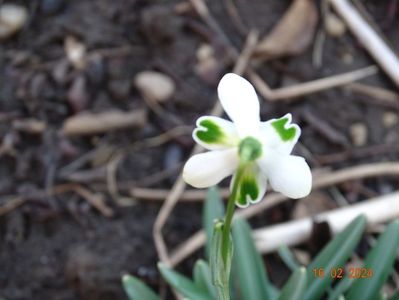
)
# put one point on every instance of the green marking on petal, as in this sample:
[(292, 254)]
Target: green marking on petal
[(248, 187), (211, 133), (286, 134)]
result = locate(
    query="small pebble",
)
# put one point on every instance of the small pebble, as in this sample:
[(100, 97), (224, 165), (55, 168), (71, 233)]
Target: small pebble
[(154, 85), (12, 18), (359, 133), (204, 52), (207, 66), (389, 119), (334, 25), (76, 52), (347, 58)]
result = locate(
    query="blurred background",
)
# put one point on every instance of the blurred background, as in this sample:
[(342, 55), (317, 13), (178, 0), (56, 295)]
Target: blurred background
[(97, 103)]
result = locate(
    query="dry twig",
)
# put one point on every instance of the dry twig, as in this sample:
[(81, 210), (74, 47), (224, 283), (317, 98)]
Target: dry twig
[(377, 210), (94, 199), (306, 88), (12, 204), (374, 92), (374, 44)]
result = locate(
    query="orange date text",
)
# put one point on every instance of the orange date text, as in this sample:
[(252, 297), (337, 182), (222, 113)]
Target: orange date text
[(339, 272)]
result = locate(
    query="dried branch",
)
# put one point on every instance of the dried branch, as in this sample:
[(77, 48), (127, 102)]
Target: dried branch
[(377, 210), (370, 40)]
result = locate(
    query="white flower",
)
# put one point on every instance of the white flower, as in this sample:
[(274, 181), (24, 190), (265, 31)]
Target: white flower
[(288, 174)]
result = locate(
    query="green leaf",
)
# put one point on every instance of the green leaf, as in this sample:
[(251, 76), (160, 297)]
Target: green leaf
[(382, 296), (380, 260), (248, 265), (137, 290), (202, 277), (342, 286), (295, 286), (334, 255), (213, 210), (220, 272), (288, 258), (395, 296), (182, 284)]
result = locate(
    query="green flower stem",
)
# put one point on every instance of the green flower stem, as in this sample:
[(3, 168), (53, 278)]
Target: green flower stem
[(230, 213)]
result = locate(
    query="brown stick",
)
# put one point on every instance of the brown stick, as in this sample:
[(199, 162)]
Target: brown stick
[(374, 92), (370, 40), (377, 210), (12, 204)]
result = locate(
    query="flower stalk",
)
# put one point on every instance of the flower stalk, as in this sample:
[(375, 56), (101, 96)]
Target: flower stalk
[(230, 213)]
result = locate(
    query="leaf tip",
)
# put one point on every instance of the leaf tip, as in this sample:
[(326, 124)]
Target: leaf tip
[(126, 278)]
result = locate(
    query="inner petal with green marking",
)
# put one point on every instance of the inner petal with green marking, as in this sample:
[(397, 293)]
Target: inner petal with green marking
[(251, 187), (286, 131), (213, 131)]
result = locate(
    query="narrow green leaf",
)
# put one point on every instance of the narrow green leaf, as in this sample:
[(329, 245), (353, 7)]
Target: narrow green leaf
[(182, 284), (288, 258), (341, 287), (213, 210), (220, 272), (382, 296), (248, 265), (137, 290), (334, 255), (202, 277), (295, 286), (380, 260)]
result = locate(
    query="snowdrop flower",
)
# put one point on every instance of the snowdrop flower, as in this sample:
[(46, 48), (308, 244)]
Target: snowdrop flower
[(261, 150)]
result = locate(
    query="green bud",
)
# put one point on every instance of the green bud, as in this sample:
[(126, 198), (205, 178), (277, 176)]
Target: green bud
[(250, 149)]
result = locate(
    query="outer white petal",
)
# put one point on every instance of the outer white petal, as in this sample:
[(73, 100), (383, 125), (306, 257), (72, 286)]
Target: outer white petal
[(225, 136), (287, 174), (240, 102), (271, 138), (207, 169)]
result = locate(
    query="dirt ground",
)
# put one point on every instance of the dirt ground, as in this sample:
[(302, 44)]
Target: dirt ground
[(58, 246)]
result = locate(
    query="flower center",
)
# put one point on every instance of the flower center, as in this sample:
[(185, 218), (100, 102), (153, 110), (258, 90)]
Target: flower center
[(249, 149)]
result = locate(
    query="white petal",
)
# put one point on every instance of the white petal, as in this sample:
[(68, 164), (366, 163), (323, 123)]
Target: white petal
[(207, 169), (274, 137), (215, 133), (240, 102), (252, 186), (287, 174)]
